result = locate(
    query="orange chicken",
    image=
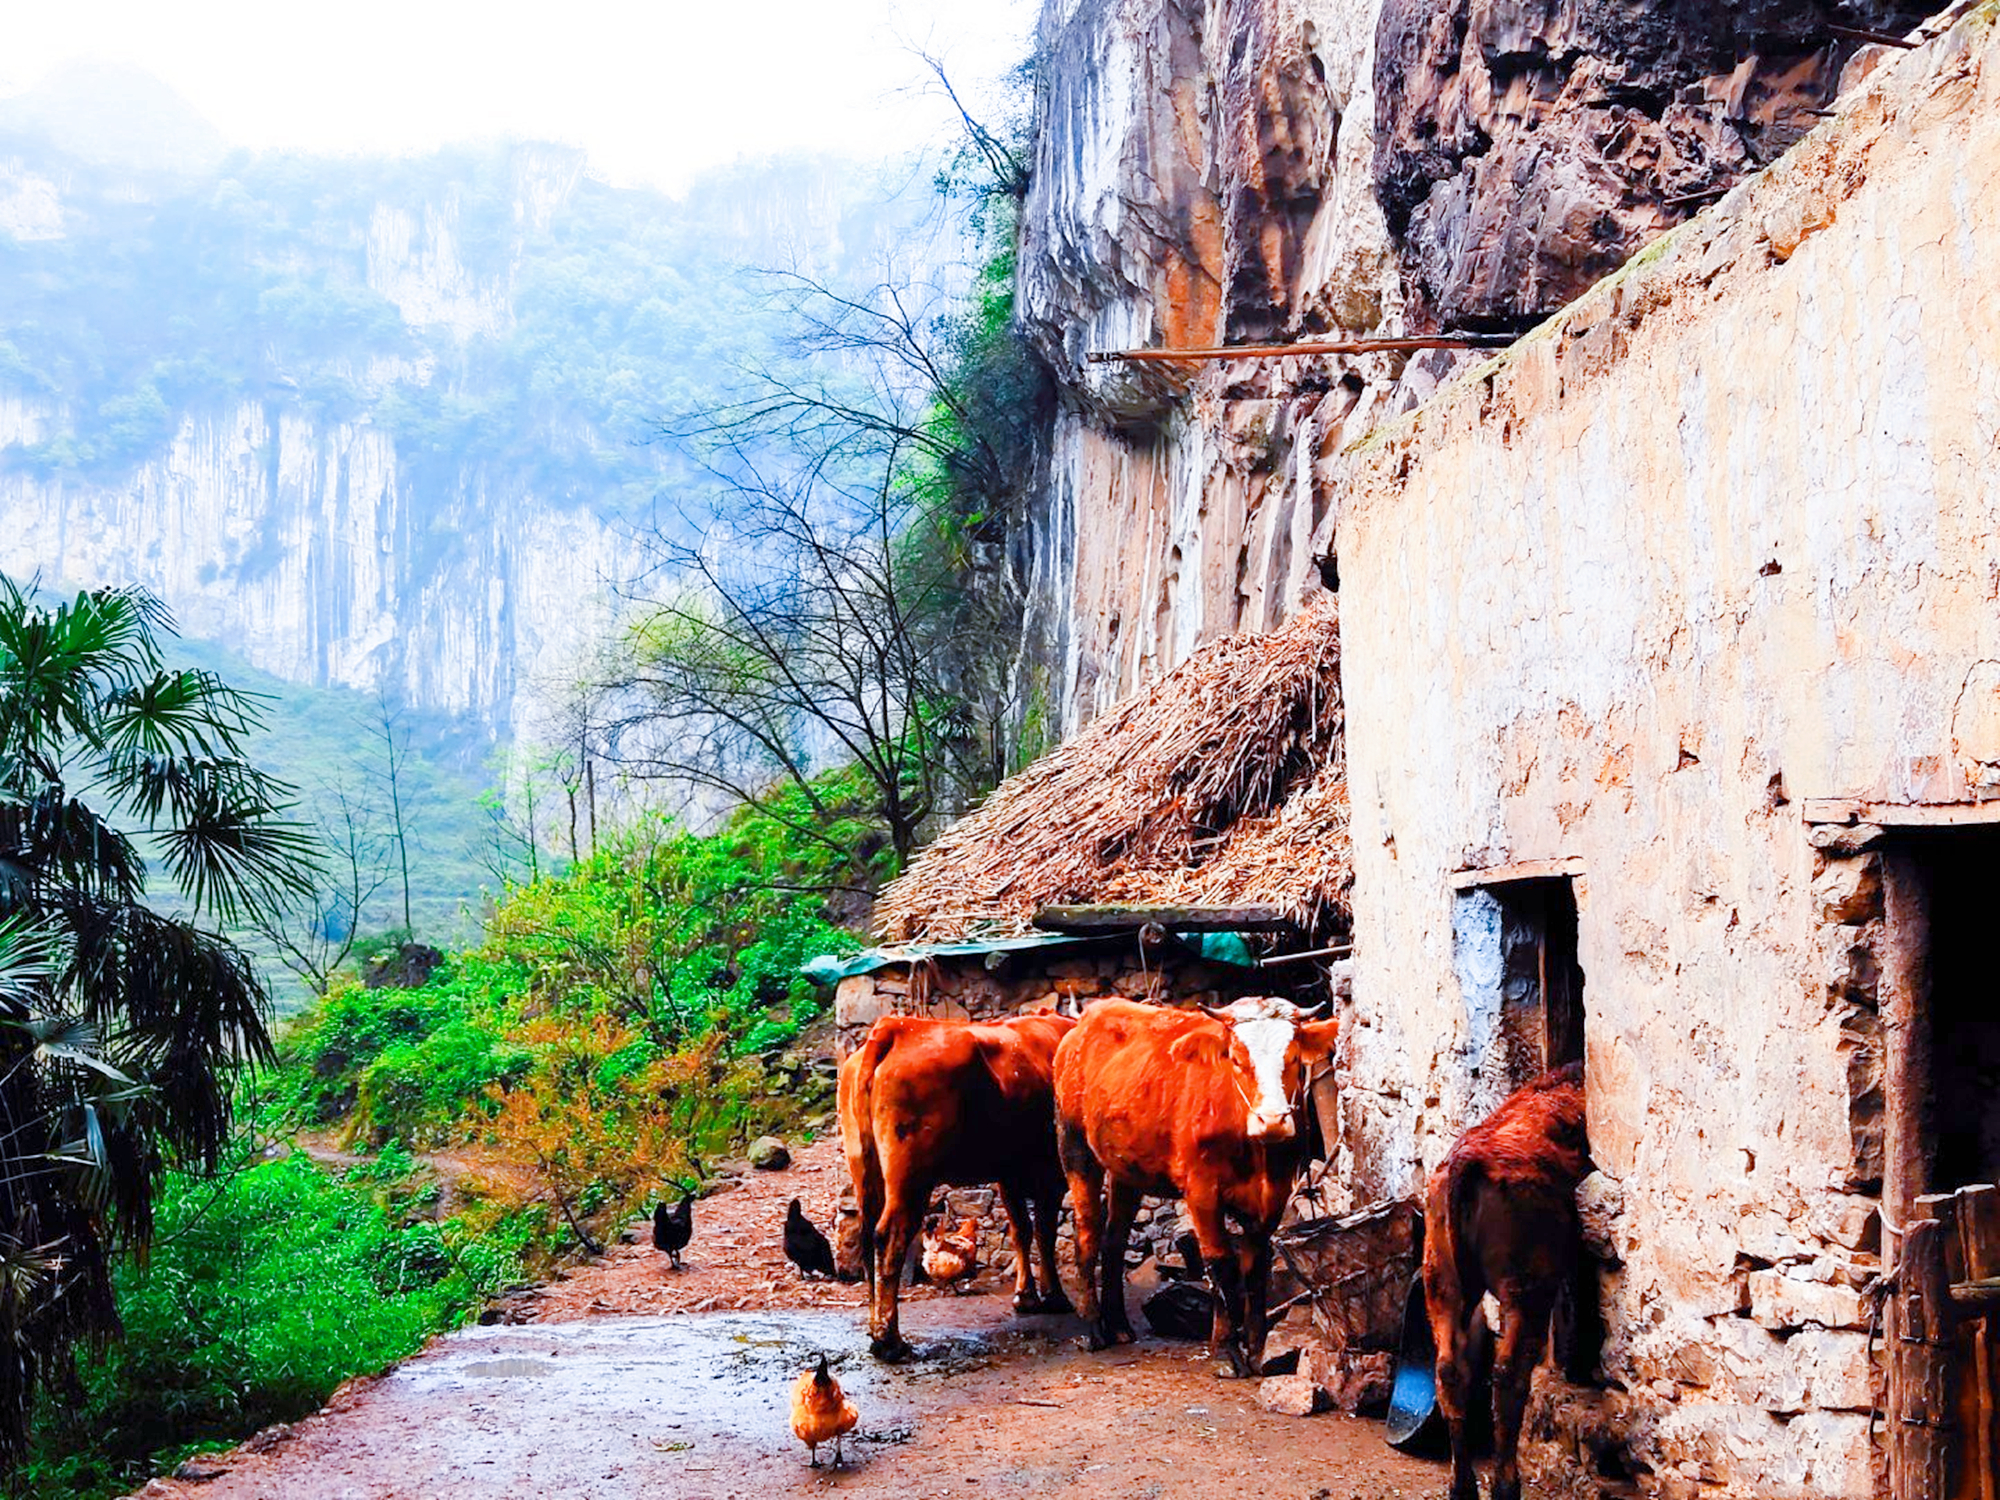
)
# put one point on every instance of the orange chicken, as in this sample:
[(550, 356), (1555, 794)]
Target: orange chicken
[(820, 1413), (952, 1257)]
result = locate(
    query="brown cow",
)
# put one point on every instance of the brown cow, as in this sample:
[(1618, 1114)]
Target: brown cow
[(1501, 1218), (1198, 1106), (925, 1102)]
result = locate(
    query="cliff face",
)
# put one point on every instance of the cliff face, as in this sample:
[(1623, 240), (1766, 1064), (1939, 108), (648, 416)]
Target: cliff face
[(299, 537), (302, 546), (1226, 171)]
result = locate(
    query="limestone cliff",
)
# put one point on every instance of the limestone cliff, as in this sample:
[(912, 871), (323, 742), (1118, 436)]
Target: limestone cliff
[(374, 423), (1226, 171)]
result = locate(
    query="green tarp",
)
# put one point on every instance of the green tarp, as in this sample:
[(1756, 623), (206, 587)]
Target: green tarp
[(830, 968)]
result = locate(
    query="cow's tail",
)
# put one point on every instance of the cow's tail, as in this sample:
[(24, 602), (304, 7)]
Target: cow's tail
[(1448, 1272)]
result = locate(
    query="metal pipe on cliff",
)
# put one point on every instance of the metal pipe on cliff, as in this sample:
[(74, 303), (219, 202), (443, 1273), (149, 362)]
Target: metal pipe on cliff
[(1349, 346)]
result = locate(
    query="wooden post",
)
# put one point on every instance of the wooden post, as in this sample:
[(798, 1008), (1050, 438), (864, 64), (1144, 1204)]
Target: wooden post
[(1979, 1246), (1951, 1337), (1921, 1407), (1906, 1061)]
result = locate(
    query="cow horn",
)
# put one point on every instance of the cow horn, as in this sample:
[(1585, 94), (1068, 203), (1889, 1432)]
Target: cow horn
[(1313, 1012), (1218, 1015)]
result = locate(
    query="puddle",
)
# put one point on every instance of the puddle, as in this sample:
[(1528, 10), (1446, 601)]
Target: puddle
[(506, 1369)]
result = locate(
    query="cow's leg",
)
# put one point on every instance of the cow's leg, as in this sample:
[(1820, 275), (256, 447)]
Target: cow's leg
[(1257, 1294), (1225, 1278), (1121, 1207), (1019, 1235), (902, 1212), (1086, 1196), (1524, 1331), (1048, 1201), (1455, 1321)]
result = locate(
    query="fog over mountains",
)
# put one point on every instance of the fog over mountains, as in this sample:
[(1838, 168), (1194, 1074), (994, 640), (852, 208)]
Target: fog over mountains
[(373, 422)]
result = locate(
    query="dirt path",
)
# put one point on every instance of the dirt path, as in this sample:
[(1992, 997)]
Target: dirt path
[(634, 1381)]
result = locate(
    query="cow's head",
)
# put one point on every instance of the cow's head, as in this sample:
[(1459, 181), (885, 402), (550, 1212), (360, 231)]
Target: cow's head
[(1277, 1044)]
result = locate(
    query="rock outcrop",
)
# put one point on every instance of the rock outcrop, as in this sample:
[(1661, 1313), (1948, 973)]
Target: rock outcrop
[(1524, 149), (1230, 171), (371, 424)]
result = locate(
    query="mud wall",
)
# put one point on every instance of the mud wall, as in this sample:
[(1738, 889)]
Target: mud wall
[(1720, 540)]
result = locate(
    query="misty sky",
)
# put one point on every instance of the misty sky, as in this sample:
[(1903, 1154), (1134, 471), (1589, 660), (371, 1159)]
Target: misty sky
[(654, 91)]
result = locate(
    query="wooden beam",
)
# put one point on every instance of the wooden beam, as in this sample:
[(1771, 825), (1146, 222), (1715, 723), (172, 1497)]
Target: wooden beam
[(1338, 950), (1121, 918), (1877, 38), (1847, 811), (1979, 1343), (1922, 1408), (1566, 866), (1269, 351), (1906, 1043)]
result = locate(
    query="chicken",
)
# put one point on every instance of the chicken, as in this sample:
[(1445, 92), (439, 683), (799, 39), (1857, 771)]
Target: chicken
[(1190, 1268), (673, 1228), (805, 1246), (820, 1412), (952, 1257)]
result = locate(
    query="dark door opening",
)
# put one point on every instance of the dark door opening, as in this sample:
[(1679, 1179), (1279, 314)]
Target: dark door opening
[(1524, 986), (1944, 914), (1941, 1023)]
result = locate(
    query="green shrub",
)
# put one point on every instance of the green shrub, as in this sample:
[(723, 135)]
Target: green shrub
[(264, 1291)]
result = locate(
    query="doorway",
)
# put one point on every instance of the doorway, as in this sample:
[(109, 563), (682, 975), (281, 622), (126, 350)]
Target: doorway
[(1942, 904), (1522, 982), (1941, 1021)]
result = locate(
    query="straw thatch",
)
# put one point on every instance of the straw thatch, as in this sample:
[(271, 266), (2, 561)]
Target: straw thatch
[(1221, 784)]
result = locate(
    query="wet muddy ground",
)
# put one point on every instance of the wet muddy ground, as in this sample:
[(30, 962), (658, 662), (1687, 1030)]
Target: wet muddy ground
[(697, 1406), (635, 1380)]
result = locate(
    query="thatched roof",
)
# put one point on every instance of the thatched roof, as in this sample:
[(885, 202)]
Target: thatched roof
[(1224, 783)]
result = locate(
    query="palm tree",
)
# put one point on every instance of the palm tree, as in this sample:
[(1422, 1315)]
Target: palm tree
[(122, 1024)]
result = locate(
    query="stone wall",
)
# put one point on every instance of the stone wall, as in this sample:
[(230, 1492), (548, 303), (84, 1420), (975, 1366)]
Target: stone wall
[(1720, 540)]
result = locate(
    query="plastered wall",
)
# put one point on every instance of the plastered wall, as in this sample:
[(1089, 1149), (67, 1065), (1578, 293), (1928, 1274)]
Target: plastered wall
[(1722, 538)]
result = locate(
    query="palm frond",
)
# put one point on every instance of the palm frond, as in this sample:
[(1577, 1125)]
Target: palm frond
[(122, 1029), (180, 713), (29, 958)]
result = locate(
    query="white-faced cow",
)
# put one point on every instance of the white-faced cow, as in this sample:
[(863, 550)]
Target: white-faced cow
[(1205, 1106)]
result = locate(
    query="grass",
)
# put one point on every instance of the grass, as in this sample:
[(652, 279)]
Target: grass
[(265, 1290)]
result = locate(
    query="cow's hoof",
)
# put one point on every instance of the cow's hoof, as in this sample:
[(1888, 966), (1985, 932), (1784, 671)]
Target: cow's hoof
[(1093, 1341), (891, 1351), (1235, 1367), (1028, 1306)]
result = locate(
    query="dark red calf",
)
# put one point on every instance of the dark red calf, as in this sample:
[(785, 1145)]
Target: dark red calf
[(1501, 1218)]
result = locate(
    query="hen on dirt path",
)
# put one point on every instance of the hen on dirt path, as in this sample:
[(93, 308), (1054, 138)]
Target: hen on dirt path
[(673, 1228), (805, 1246), (821, 1412), (951, 1258)]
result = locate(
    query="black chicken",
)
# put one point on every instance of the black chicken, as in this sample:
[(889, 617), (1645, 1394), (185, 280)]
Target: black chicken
[(805, 1246), (1190, 1268), (673, 1228)]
